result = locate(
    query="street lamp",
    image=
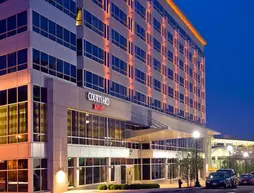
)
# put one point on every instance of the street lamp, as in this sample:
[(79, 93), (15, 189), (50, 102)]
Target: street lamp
[(245, 155), (230, 152), (196, 136)]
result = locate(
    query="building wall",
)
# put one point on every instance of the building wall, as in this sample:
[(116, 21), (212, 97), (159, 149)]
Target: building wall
[(51, 66)]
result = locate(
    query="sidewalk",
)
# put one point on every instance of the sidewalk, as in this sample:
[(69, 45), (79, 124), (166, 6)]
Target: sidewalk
[(165, 187)]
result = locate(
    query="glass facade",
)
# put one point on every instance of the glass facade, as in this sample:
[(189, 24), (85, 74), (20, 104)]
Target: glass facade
[(13, 62), (39, 113), (40, 175), (14, 175), (89, 129), (13, 115)]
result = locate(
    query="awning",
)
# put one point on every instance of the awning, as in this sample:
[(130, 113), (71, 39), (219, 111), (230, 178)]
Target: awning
[(155, 134)]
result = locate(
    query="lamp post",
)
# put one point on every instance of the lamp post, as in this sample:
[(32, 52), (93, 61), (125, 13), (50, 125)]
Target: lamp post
[(230, 151), (245, 155), (196, 136)]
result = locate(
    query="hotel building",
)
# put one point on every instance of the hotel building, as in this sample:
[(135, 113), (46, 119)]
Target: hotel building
[(97, 91)]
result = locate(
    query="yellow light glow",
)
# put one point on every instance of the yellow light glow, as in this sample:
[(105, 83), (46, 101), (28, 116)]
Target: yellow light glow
[(60, 177)]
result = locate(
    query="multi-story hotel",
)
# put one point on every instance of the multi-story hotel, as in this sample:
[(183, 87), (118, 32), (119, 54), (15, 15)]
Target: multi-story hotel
[(97, 91)]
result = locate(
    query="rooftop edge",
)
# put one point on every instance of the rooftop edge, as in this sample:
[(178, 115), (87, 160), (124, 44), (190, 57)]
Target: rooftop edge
[(186, 21)]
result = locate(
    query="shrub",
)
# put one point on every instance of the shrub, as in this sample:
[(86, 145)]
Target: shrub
[(109, 186), (124, 186), (102, 187), (115, 187)]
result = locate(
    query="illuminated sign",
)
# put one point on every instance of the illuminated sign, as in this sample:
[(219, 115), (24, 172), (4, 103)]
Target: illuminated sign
[(98, 98), (98, 107)]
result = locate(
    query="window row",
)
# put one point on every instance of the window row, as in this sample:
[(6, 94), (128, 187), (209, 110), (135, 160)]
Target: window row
[(119, 65), (54, 66), (13, 95), (119, 15), (66, 6), (53, 31), (95, 53), (93, 23), (13, 62), (13, 25), (103, 4)]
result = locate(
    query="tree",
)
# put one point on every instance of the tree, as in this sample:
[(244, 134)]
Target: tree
[(186, 161)]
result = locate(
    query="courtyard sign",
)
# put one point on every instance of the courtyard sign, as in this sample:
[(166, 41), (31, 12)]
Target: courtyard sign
[(98, 98)]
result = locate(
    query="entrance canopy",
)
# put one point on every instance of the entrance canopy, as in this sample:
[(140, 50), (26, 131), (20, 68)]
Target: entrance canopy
[(155, 134)]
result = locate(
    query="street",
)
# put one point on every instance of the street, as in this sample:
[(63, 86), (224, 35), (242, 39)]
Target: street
[(240, 189)]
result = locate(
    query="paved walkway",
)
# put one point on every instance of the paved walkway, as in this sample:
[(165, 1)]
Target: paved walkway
[(164, 187)]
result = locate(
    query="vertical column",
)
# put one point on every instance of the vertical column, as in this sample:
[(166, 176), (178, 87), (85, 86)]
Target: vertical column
[(57, 139), (175, 62), (194, 61), (166, 169), (149, 52), (76, 171), (108, 170)]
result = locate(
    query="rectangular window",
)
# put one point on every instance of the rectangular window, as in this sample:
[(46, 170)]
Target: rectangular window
[(66, 6), (140, 9), (156, 25), (170, 92), (54, 66), (181, 81), (157, 6), (156, 104), (119, 40), (13, 115), (46, 28), (94, 81), (95, 53), (39, 113), (157, 85), (140, 76), (40, 175), (119, 15), (119, 91), (140, 54), (170, 110), (14, 175), (140, 98), (96, 25), (181, 98), (170, 37), (181, 65), (156, 65), (170, 74), (119, 65), (170, 56), (102, 4), (13, 62), (157, 45), (140, 32), (191, 72), (13, 25), (181, 48)]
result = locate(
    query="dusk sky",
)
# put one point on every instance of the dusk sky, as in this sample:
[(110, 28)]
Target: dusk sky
[(228, 28)]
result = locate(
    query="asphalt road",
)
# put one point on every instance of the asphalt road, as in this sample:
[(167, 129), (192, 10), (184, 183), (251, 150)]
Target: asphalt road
[(240, 189)]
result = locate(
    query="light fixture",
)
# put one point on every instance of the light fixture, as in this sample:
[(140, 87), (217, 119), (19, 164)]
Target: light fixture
[(87, 121), (230, 148), (196, 134), (245, 154), (60, 177)]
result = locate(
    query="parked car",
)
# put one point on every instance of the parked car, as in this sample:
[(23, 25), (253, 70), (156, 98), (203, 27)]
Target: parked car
[(246, 179), (252, 173), (232, 174), (218, 179)]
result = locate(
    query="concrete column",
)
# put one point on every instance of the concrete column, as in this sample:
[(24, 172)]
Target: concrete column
[(166, 169), (108, 170), (30, 175), (76, 171), (57, 137)]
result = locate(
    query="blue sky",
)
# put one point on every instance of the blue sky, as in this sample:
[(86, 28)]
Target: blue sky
[(228, 28)]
